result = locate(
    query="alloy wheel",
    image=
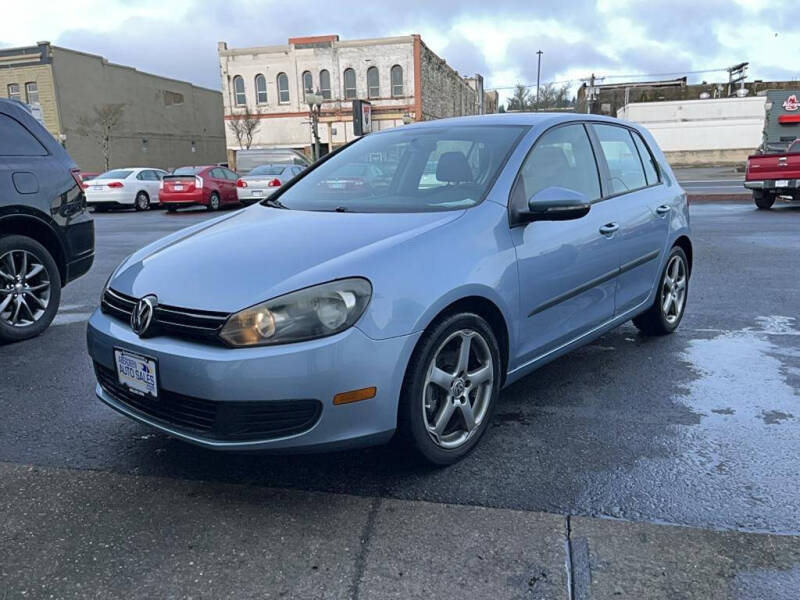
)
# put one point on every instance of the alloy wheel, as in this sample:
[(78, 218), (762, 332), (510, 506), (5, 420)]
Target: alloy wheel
[(673, 289), (458, 388), (142, 201), (24, 288)]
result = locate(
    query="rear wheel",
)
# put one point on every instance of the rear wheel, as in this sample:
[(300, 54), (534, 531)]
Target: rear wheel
[(763, 200), (213, 202), (666, 312), (30, 288), (451, 388), (142, 201)]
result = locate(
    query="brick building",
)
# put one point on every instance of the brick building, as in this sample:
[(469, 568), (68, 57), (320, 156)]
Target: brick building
[(402, 78), (165, 122)]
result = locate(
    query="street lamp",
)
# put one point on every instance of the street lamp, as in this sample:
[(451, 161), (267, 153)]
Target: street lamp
[(314, 101)]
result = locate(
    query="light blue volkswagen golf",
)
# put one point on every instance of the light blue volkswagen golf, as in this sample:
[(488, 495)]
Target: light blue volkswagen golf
[(396, 286)]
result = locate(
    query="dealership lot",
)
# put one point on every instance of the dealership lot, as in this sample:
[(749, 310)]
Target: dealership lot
[(699, 429)]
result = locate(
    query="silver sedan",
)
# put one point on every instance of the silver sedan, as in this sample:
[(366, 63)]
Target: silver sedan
[(264, 180)]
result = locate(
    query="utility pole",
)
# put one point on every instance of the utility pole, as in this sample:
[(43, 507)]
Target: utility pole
[(538, 77), (314, 108), (591, 91)]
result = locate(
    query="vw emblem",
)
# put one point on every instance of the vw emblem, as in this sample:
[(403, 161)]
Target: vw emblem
[(142, 315)]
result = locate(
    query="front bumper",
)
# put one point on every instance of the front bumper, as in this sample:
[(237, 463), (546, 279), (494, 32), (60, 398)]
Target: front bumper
[(315, 370)]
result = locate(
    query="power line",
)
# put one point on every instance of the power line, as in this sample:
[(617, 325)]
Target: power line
[(629, 75)]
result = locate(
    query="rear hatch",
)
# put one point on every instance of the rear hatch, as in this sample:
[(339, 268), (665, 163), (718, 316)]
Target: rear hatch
[(181, 183), (773, 167)]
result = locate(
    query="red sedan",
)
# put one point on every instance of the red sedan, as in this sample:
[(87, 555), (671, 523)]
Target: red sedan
[(209, 186)]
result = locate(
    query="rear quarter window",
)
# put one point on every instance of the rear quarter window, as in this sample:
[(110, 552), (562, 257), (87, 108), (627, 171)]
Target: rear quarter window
[(16, 140)]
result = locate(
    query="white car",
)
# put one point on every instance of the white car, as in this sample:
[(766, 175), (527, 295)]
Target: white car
[(124, 188)]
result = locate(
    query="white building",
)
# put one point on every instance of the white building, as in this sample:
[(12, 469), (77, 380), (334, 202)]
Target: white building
[(400, 76), (711, 131)]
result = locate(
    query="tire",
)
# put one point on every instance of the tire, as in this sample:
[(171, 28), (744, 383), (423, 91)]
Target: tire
[(142, 201), (763, 200), (213, 202), (655, 321), (423, 400), (16, 321)]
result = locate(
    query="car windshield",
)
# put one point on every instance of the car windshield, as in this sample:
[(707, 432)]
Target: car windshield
[(115, 174), (408, 170), (187, 170), (267, 170)]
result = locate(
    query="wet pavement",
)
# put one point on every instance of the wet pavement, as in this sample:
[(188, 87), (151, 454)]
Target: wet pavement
[(701, 428)]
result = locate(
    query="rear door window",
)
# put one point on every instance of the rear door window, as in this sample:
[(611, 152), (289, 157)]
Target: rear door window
[(16, 140), (649, 163), (624, 165)]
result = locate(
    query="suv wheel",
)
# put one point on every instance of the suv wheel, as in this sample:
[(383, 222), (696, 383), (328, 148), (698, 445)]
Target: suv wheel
[(451, 388), (666, 312), (30, 288), (213, 202), (142, 201), (763, 200)]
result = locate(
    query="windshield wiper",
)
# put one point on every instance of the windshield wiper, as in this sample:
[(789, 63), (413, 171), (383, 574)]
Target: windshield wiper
[(274, 203)]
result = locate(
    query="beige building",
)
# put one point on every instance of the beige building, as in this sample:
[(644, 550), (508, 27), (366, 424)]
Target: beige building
[(402, 78), (164, 122)]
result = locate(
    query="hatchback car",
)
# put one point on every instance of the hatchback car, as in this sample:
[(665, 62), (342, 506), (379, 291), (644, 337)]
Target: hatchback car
[(263, 181), (133, 187), (210, 186), (46, 234), (324, 319)]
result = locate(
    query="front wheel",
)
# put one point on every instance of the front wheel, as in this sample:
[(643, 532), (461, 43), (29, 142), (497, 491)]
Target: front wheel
[(666, 312), (763, 200), (30, 288), (213, 202), (142, 201), (451, 388)]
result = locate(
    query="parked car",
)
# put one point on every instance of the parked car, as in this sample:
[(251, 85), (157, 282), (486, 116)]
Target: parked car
[(209, 186), (317, 319), (133, 187), (46, 233), (247, 160), (263, 181), (773, 176)]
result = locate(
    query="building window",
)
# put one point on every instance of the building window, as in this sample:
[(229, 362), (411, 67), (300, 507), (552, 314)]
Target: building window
[(349, 84), (238, 91), (308, 83), (325, 84), (283, 88), (171, 98), (397, 80), (13, 92), (373, 83), (261, 89), (32, 92)]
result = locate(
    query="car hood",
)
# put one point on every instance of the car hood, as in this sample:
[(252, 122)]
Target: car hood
[(260, 252)]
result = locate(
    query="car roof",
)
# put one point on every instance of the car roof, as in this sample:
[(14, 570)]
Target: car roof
[(515, 118)]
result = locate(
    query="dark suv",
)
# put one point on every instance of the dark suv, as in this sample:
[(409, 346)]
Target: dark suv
[(46, 233)]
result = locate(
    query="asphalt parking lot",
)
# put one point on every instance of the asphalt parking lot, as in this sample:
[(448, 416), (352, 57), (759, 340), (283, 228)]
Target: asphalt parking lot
[(575, 492)]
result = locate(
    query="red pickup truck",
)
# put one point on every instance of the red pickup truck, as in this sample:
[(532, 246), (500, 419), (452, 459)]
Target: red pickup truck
[(773, 175)]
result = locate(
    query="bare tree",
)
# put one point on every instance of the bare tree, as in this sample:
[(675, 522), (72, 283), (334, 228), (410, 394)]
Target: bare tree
[(244, 126), (550, 96), (102, 126), (522, 99)]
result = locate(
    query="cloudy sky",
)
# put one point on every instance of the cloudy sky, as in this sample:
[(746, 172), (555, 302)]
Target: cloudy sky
[(614, 38)]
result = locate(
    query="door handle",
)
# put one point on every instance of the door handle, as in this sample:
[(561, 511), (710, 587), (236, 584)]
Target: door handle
[(609, 228), (663, 209)]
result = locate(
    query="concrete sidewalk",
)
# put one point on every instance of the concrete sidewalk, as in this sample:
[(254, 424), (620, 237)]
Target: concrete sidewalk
[(89, 534)]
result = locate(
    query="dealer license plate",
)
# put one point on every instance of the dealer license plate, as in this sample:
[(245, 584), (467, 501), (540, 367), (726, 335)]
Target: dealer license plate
[(97, 188), (178, 188), (136, 372), (782, 183), (257, 192)]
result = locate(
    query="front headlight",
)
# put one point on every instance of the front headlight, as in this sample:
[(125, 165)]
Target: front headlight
[(306, 314)]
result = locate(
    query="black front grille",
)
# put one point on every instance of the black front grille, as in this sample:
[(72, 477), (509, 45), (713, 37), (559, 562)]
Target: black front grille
[(169, 320), (236, 421)]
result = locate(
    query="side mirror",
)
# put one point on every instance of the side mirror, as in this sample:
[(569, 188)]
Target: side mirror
[(556, 204)]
